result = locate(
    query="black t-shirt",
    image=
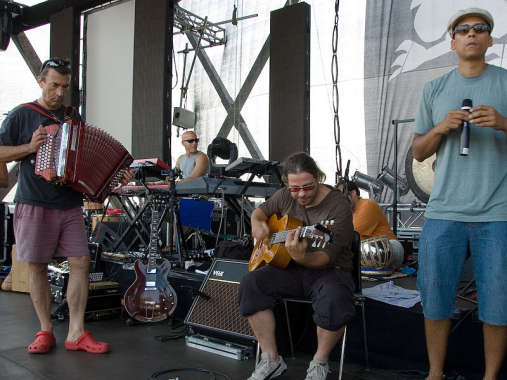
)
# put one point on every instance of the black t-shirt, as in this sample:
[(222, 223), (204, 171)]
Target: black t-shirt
[(17, 129)]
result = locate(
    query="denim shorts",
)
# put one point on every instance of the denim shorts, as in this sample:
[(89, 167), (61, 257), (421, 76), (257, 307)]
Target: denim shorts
[(443, 249)]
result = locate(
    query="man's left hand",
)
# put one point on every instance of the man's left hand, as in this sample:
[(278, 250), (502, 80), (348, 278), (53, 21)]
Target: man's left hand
[(296, 247), (486, 116)]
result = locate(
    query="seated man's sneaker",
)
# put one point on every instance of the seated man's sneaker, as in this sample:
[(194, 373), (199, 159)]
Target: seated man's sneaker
[(267, 368), (317, 370)]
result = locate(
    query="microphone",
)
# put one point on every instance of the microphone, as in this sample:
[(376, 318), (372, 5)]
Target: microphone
[(464, 145)]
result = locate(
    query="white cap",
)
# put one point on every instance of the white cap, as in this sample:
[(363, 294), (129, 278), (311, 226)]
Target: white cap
[(482, 13)]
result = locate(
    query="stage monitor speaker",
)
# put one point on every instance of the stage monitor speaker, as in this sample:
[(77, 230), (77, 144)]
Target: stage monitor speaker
[(289, 81), (220, 313)]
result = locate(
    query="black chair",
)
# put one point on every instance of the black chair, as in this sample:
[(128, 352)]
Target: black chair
[(359, 300)]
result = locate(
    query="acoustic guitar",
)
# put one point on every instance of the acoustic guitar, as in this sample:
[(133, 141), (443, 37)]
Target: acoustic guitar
[(272, 249), (151, 298)]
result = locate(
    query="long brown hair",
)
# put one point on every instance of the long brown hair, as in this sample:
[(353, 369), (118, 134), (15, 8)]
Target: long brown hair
[(301, 162)]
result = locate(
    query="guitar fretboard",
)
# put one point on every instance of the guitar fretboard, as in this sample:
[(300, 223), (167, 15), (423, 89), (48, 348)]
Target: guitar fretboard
[(279, 237), (153, 246)]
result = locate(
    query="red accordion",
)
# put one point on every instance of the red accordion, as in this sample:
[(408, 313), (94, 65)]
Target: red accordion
[(84, 157)]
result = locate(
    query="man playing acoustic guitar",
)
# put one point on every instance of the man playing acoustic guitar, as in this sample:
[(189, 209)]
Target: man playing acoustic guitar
[(320, 274)]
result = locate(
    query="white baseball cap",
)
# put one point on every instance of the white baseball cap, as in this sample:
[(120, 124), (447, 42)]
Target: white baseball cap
[(482, 13)]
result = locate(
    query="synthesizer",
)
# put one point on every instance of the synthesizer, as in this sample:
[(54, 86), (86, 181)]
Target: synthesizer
[(206, 186), (226, 186)]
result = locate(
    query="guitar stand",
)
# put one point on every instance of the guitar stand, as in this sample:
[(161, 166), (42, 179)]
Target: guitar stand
[(131, 321)]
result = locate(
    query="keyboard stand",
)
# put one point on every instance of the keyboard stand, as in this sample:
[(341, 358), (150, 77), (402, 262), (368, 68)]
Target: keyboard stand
[(136, 223)]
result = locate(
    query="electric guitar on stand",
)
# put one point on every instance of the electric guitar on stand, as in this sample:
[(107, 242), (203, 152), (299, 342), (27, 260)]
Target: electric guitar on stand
[(151, 298), (272, 249)]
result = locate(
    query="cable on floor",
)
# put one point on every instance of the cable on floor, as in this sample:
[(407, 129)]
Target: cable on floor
[(213, 374)]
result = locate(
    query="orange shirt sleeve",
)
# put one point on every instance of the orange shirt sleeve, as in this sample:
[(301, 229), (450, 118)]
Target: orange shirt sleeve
[(370, 221)]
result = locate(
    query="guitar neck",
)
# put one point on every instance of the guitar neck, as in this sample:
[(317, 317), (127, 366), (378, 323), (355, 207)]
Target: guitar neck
[(153, 245), (279, 237)]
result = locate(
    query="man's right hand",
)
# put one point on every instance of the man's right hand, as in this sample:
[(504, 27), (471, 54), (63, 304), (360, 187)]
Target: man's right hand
[(260, 230), (38, 138), (453, 120), (423, 146)]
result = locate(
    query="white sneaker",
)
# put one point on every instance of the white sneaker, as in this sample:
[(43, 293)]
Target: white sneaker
[(267, 368), (317, 370)]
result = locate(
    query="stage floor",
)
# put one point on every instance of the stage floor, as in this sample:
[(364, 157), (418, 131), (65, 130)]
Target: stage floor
[(395, 339)]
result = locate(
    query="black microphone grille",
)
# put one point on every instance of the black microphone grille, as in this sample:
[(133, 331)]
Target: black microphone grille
[(467, 103)]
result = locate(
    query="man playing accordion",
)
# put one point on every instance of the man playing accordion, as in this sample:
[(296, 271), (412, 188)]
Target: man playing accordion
[(48, 219)]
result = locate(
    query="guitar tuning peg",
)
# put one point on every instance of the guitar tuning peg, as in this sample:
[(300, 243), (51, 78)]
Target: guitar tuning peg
[(314, 244), (332, 222), (324, 244)]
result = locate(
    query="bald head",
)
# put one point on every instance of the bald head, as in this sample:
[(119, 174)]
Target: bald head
[(188, 135), (189, 141)]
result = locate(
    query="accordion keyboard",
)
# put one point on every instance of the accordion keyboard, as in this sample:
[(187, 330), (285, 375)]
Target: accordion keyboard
[(47, 155)]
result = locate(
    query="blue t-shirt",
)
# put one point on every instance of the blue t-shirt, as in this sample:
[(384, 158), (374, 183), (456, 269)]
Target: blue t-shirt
[(469, 188)]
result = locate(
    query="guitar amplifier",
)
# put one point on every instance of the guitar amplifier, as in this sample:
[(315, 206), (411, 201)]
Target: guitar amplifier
[(104, 299), (217, 310), (58, 278)]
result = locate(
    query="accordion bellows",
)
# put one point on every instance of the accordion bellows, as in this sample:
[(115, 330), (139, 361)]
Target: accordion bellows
[(84, 157)]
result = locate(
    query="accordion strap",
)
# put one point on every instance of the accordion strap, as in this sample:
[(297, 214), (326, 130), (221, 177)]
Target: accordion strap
[(38, 108)]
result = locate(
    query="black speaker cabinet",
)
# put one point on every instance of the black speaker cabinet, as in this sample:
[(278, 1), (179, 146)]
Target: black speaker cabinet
[(220, 313), (289, 81), (186, 285)]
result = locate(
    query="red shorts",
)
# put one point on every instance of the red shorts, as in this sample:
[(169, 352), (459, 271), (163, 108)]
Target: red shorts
[(43, 233)]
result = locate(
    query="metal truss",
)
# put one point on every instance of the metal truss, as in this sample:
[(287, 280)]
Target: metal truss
[(197, 29), (188, 22), (227, 101), (409, 215)]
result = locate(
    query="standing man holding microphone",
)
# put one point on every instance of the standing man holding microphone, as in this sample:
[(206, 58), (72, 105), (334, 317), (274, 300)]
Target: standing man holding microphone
[(467, 209)]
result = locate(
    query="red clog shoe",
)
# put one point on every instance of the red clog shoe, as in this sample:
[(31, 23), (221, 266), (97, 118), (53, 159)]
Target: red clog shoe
[(44, 342), (87, 342)]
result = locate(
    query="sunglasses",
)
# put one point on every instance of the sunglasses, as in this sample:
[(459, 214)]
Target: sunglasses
[(55, 63), (465, 28), (305, 188), (191, 141)]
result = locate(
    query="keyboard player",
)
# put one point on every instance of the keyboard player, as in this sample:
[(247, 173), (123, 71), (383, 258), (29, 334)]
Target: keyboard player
[(193, 163)]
